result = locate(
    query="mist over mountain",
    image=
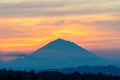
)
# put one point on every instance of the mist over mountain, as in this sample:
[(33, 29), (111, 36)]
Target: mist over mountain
[(59, 53)]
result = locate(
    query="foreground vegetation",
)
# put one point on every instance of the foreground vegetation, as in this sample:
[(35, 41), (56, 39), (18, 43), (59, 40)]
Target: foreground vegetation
[(49, 75)]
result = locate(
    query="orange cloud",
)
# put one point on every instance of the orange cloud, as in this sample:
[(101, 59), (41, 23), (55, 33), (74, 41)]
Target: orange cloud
[(30, 33)]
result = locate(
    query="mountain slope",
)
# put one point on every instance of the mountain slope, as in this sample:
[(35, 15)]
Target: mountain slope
[(57, 54)]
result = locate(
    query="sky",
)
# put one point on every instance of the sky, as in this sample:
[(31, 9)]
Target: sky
[(26, 25)]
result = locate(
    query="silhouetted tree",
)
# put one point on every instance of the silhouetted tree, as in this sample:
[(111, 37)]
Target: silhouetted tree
[(48, 75), (18, 77), (34, 77), (32, 71)]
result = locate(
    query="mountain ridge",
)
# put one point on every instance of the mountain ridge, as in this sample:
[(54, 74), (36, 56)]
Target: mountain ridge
[(109, 69)]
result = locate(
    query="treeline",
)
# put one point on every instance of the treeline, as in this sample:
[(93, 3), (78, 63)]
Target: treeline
[(49, 75)]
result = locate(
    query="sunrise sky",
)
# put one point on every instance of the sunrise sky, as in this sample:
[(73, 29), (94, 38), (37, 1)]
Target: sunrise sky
[(26, 25)]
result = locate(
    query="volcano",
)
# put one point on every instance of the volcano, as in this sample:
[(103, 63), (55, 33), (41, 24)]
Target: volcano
[(59, 53)]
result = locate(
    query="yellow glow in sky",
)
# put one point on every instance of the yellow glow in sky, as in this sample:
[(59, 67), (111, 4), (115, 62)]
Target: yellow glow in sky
[(26, 25)]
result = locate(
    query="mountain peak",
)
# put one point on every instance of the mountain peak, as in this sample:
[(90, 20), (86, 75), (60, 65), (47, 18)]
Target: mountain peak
[(61, 43), (60, 40)]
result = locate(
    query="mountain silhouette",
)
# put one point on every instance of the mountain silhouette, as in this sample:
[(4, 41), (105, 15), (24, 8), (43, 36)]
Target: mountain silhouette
[(61, 47), (57, 54)]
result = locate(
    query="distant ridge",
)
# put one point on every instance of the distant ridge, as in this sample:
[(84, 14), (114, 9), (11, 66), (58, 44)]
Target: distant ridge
[(110, 69)]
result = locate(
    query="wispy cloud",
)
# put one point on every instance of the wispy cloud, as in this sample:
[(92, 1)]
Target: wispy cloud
[(58, 8), (109, 23), (11, 56)]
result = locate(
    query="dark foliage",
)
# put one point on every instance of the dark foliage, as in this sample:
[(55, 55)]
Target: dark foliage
[(48, 75)]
